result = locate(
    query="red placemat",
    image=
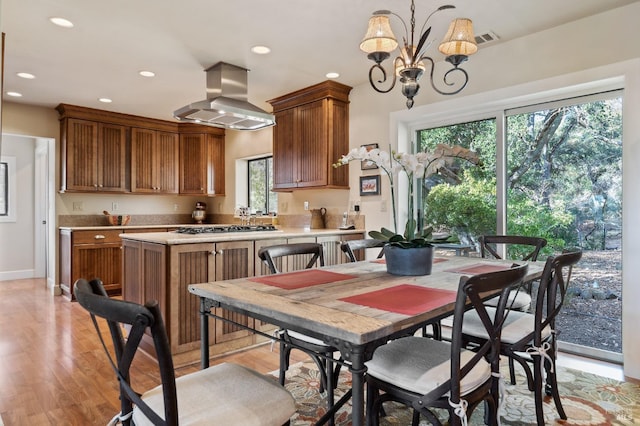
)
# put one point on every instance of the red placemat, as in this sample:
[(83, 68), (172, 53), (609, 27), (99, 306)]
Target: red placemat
[(435, 260), (480, 268), (404, 299), (301, 279)]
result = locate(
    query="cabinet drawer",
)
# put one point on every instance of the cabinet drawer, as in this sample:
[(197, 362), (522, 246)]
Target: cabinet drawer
[(96, 237)]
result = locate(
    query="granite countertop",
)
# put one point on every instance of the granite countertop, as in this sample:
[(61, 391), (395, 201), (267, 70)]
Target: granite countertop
[(172, 238)]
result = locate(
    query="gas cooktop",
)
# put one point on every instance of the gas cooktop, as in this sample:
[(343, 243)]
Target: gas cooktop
[(221, 229)]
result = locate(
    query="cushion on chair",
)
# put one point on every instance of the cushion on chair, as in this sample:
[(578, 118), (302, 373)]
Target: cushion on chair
[(517, 325), (305, 338), (419, 365), (219, 395), (520, 301)]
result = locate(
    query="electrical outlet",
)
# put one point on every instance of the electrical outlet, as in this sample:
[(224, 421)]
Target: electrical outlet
[(175, 207), (383, 206), (306, 205), (78, 206), (114, 206)]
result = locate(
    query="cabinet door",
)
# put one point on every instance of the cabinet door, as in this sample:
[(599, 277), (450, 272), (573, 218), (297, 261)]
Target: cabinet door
[(188, 264), (284, 154), (166, 157), (234, 259), (311, 145), (154, 161), (193, 179), (260, 267), (215, 165), (81, 155), (112, 158), (142, 160), (333, 254), (98, 261)]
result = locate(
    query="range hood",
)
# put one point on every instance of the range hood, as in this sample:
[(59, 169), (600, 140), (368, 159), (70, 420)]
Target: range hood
[(226, 105)]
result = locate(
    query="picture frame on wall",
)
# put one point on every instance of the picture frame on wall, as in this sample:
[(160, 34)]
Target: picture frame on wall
[(364, 165), (370, 185)]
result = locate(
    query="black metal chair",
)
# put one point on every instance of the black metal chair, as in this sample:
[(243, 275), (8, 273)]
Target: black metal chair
[(223, 394), (351, 246), (528, 248), (426, 373), (531, 337), (303, 256)]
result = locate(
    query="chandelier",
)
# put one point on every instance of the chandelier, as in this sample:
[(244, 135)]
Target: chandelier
[(379, 42)]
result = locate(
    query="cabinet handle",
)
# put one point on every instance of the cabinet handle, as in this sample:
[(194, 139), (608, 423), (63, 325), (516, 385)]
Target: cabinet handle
[(212, 252), (99, 237), (220, 251)]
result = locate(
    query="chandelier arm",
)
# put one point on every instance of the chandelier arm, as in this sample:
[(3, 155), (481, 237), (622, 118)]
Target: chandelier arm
[(384, 79), (404, 24), (445, 77)]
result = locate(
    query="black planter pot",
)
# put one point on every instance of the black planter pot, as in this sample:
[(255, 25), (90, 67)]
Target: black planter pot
[(409, 261)]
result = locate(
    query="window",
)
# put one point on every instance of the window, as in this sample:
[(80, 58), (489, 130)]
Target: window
[(7, 189), (260, 178)]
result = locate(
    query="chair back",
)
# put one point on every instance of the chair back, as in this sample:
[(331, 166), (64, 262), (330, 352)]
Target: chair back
[(552, 292), (92, 296), (530, 245), (471, 294), (270, 254), (351, 246)]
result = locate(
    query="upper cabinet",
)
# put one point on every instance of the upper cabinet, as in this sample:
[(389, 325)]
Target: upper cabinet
[(311, 133), (154, 161), (103, 151), (201, 164), (96, 155)]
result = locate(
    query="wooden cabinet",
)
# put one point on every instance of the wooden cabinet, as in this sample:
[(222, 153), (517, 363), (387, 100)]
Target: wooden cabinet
[(154, 161), (201, 164), (95, 156), (90, 254), (311, 134), (103, 151)]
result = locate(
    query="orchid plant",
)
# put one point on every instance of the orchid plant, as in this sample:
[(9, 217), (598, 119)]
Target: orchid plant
[(415, 166)]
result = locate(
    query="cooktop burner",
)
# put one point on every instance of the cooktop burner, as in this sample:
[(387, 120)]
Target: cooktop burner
[(220, 229)]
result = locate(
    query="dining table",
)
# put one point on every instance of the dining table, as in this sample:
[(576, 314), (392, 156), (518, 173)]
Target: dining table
[(355, 307)]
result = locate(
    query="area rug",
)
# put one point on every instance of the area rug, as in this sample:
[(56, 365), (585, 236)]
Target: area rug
[(588, 399)]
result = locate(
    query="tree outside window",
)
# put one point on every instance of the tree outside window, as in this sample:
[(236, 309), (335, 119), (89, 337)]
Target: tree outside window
[(261, 198)]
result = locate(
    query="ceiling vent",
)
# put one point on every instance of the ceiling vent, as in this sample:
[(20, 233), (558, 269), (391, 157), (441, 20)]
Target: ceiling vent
[(226, 105), (486, 38)]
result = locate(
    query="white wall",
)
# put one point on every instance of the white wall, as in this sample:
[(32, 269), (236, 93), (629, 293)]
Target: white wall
[(17, 258)]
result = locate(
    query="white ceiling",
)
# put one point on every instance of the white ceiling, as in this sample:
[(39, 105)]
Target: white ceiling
[(113, 40)]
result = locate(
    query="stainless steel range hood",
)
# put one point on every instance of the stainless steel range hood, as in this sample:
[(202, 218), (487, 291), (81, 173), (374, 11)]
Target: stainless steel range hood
[(226, 105)]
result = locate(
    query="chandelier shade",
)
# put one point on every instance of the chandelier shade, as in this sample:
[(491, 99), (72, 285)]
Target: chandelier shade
[(380, 42), (379, 36), (459, 40)]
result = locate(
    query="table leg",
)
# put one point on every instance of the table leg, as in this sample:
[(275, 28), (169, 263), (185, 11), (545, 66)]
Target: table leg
[(357, 370), (204, 334)]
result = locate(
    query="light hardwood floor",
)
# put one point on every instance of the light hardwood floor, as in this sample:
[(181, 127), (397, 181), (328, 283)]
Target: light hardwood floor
[(53, 370)]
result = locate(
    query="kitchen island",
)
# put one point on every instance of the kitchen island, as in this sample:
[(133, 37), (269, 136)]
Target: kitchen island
[(161, 266)]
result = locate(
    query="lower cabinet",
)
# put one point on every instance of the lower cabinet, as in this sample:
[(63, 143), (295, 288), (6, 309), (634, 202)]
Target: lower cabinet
[(164, 272), (90, 254)]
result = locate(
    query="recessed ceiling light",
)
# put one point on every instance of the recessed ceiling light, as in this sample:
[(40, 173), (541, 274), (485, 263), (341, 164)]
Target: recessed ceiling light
[(25, 75), (333, 75), (147, 73), (61, 22), (15, 94), (260, 50), (105, 100)]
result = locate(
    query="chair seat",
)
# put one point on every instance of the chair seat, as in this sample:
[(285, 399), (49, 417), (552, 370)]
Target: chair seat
[(520, 301), (220, 395), (419, 365), (307, 339), (517, 325)]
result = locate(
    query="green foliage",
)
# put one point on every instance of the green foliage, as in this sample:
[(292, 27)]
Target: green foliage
[(425, 239)]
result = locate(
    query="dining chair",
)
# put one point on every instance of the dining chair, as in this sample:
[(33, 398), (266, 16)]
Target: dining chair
[(425, 373), (226, 394), (350, 247), (525, 248), (320, 352), (530, 338)]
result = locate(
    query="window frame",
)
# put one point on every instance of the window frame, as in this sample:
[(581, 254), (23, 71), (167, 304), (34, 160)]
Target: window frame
[(267, 176)]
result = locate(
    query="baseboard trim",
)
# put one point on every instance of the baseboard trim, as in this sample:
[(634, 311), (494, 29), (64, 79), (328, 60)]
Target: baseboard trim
[(17, 275)]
